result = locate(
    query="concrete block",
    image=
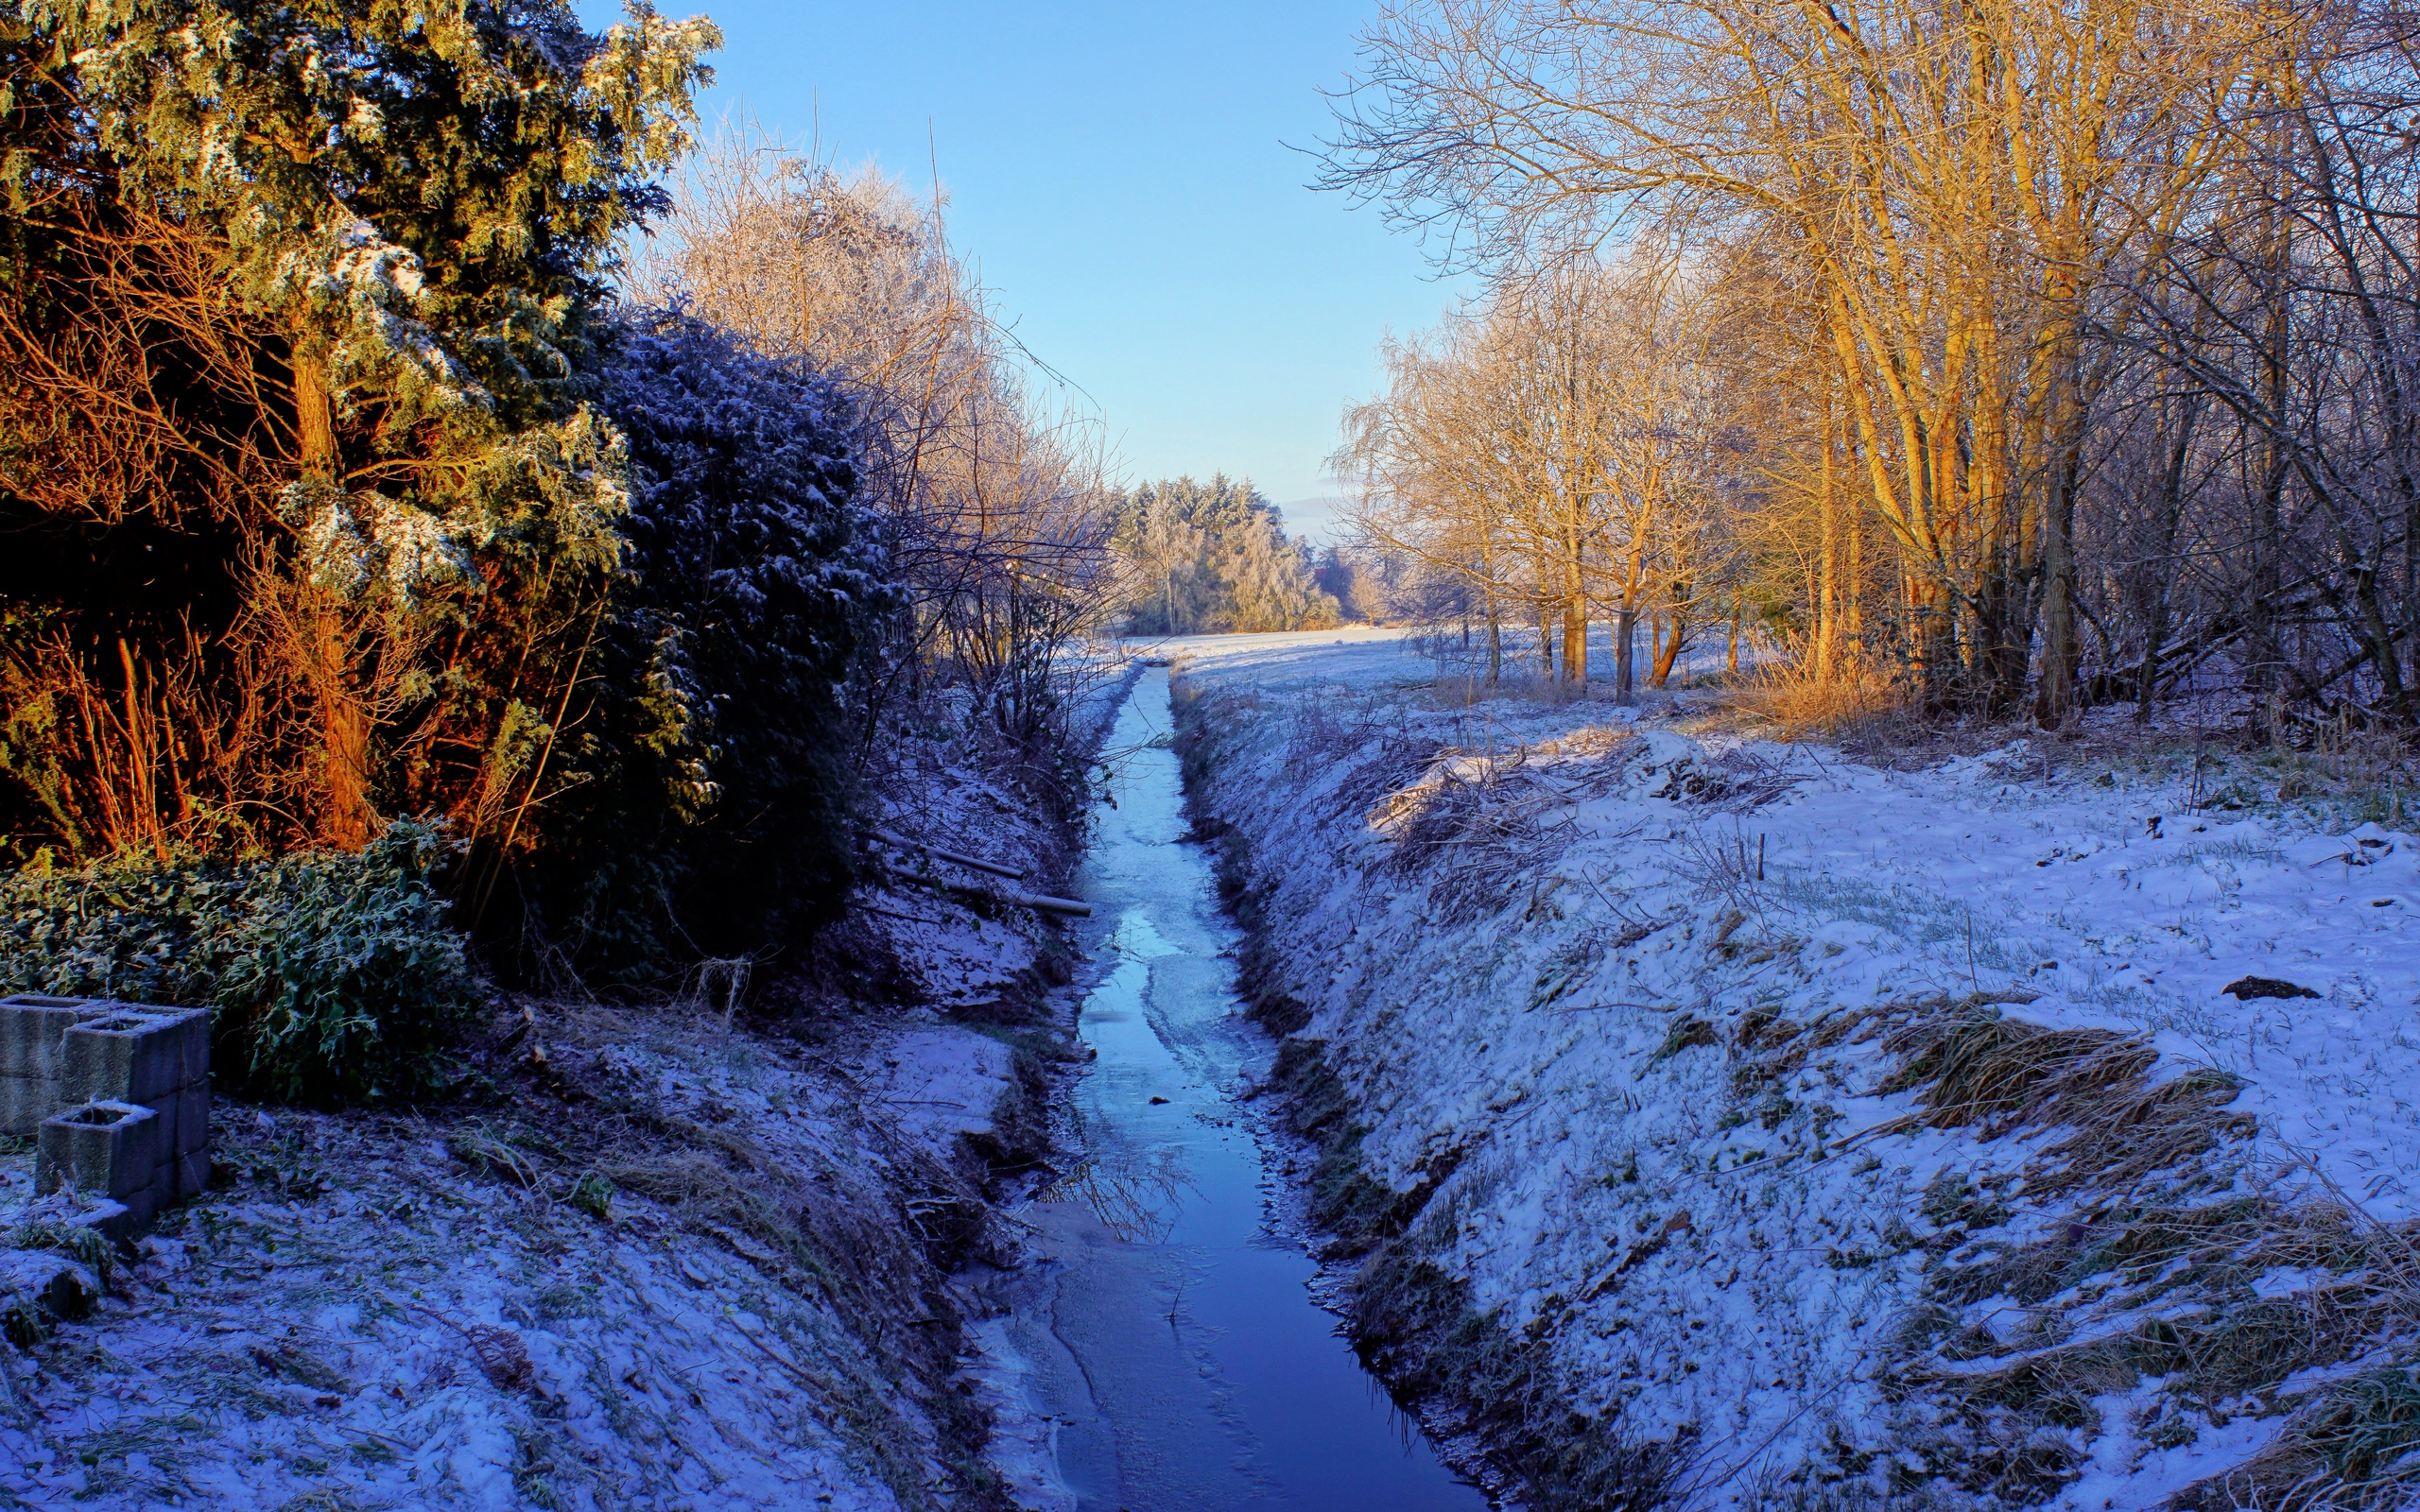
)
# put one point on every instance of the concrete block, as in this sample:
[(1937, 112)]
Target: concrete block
[(193, 1037), (119, 1222), (183, 1144), (30, 1028), (36, 1278), (165, 1140), (26, 1101), (191, 1122), (133, 1054), (104, 1149)]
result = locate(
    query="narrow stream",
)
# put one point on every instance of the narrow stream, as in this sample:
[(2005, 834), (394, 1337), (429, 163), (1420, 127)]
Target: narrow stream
[(1175, 1341)]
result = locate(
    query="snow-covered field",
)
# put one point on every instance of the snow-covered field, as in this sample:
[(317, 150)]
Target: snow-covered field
[(1846, 1135)]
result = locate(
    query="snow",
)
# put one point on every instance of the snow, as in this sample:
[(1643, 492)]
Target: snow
[(1730, 1267), (307, 1330), (759, 1320)]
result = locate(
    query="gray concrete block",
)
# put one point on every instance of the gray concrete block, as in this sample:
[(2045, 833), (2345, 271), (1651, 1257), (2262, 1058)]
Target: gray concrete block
[(188, 1175), (119, 1222), (165, 1109), (54, 1283), (103, 1149), (185, 1121), (193, 1041), (192, 1120), (26, 1101), (30, 1028), (133, 1054)]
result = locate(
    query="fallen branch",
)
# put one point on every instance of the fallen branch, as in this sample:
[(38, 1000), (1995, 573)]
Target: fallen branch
[(905, 844), (1002, 895)]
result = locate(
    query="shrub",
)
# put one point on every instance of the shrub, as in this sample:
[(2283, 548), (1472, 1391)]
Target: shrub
[(332, 976), (713, 815)]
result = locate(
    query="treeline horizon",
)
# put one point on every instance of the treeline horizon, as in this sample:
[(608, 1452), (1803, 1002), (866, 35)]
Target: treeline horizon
[(1214, 559)]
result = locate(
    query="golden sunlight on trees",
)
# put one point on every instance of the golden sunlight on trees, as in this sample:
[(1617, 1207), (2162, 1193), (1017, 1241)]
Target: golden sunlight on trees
[(992, 493), (2027, 355)]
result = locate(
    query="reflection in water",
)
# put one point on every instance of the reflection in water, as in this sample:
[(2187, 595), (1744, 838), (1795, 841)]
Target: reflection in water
[(1137, 1194)]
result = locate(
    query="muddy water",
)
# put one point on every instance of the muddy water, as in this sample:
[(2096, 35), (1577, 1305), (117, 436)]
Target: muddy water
[(1177, 1346)]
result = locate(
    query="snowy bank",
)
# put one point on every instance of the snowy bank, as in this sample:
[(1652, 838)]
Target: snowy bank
[(1726, 1122), (687, 1278), (681, 1258)]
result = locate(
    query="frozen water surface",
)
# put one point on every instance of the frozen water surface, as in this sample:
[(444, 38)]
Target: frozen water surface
[(1172, 1333)]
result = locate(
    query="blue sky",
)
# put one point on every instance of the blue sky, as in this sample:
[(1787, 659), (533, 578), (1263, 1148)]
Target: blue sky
[(1121, 175)]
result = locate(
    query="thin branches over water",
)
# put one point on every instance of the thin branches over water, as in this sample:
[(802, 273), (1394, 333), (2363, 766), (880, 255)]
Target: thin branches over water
[(986, 469)]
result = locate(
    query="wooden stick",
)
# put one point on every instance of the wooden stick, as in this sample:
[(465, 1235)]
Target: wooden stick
[(905, 844), (1002, 895)]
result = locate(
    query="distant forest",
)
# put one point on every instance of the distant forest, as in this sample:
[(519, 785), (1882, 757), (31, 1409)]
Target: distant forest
[(1213, 558)]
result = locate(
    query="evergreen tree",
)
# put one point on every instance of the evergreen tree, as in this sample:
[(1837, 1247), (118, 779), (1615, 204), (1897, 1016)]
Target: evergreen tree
[(719, 816), (1213, 558), (298, 305)]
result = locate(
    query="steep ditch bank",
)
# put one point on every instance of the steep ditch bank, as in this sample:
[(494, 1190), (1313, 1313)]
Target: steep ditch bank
[(1677, 1166), (1494, 1399), (675, 1266), (675, 1258)]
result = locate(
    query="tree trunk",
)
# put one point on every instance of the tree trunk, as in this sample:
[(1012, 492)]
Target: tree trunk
[(2261, 677), (1671, 652), (315, 430), (1853, 605), (324, 627), (1827, 578), (2054, 701), (1625, 651), (1495, 642), (1575, 626)]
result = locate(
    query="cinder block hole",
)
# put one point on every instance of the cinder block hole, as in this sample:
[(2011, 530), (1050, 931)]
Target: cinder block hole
[(29, 1000), (100, 1117), (119, 1023)]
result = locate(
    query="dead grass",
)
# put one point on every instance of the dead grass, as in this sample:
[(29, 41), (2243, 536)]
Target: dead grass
[(1801, 706), (2131, 1285), (2353, 1447), (1479, 829), (872, 1239), (1974, 1065)]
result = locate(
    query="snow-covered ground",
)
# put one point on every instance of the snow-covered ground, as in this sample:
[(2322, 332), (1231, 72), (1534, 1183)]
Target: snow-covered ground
[(400, 1312), (676, 1263), (1850, 1134)]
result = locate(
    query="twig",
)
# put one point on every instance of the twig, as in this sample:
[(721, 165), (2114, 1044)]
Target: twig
[(1649, 1007)]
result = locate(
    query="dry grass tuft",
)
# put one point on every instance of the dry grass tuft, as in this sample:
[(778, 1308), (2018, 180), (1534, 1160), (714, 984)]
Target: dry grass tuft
[(1975, 1066), (2125, 1288), (1803, 706), (1480, 828)]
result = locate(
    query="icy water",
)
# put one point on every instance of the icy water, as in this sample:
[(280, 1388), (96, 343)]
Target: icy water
[(1176, 1343)]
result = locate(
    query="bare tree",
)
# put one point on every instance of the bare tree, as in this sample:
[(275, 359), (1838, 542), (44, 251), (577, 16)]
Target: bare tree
[(988, 478)]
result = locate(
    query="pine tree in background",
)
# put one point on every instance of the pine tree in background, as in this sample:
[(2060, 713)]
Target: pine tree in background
[(1213, 558)]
